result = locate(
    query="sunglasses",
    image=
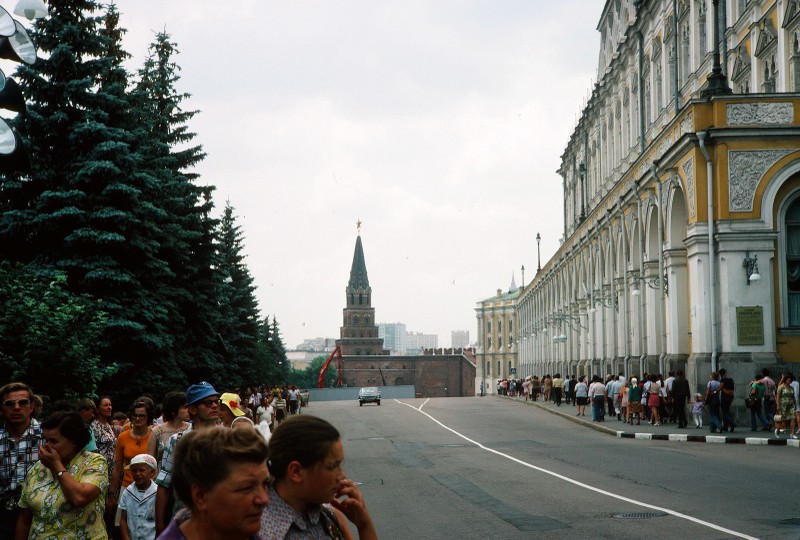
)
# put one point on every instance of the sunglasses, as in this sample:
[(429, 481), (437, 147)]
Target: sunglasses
[(9, 403), (210, 402), (138, 416)]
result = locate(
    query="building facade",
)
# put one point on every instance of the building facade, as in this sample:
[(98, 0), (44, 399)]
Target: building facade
[(497, 337), (366, 363), (417, 342), (459, 339), (359, 333), (681, 199), (394, 337)]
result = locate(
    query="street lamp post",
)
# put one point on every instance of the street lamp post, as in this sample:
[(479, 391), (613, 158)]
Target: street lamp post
[(538, 253), (717, 82)]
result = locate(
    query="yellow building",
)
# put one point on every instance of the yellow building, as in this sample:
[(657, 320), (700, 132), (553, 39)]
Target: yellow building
[(497, 344), (681, 243)]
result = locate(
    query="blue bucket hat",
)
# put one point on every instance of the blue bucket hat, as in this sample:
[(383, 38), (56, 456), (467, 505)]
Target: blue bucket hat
[(198, 392)]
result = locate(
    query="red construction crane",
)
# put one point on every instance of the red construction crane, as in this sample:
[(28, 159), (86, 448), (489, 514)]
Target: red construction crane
[(321, 381)]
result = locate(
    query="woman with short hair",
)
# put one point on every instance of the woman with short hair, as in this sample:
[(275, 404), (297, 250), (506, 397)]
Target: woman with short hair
[(176, 415), (130, 443), (310, 496), (221, 476), (62, 496)]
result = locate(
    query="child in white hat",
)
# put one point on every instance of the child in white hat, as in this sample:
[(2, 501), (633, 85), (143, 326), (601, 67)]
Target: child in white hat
[(138, 500)]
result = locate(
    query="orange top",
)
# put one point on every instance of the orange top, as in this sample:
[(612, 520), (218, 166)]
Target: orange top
[(129, 446)]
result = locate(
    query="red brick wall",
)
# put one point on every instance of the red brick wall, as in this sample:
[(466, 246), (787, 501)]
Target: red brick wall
[(433, 376)]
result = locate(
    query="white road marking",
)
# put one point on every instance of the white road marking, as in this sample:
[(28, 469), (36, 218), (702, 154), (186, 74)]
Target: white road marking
[(580, 484)]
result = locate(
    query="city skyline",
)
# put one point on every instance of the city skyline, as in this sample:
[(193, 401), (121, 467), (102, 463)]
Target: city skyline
[(438, 125)]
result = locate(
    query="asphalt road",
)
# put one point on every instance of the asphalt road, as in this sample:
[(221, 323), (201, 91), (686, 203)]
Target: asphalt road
[(495, 468)]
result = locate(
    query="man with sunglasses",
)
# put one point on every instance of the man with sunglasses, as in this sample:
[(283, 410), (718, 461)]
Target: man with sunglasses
[(19, 449), (202, 402)]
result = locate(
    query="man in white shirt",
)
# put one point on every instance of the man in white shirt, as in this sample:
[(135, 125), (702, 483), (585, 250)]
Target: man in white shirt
[(668, 394), (265, 412)]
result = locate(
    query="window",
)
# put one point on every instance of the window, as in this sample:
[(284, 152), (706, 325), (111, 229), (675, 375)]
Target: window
[(510, 326), (793, 262), (500, 342)]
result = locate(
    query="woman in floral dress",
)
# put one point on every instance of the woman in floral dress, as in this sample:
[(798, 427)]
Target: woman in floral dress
[(62, 496)]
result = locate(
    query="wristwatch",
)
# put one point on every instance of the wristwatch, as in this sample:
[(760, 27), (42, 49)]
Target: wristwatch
[(60, 473)]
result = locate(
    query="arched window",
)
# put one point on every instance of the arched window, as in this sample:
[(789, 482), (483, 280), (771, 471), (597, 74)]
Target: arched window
[(793, 261)]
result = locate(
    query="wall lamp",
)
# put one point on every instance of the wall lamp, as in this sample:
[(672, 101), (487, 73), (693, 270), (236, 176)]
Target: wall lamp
[(654, 282), (750, 265), (605, 301)]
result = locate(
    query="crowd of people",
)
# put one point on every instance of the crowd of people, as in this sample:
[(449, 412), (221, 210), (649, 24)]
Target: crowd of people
[(656, 399), (198, 464)]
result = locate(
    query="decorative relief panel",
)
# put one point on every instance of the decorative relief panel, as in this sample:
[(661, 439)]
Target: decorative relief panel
[(687, 123), (745, 170), (664, 146), (688, 173), (740, 114)]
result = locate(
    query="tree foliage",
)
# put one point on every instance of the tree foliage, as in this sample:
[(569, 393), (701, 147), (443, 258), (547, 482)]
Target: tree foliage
[(50, 336), (309, 377), (114, 217)]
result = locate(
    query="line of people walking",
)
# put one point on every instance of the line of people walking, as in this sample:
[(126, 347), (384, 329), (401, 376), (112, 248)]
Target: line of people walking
[(658, 400)]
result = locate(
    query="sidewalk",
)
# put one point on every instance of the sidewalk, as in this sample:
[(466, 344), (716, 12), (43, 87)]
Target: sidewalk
[(664, 432)]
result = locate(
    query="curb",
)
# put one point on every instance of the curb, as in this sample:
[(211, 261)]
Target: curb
[(676, 437)]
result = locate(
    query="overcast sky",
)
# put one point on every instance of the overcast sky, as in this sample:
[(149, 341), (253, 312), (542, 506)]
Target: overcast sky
[(438, 124)]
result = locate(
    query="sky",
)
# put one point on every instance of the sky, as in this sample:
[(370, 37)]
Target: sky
[(438, 124)]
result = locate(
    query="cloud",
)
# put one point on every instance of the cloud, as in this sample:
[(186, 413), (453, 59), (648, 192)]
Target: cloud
[(438, 124)]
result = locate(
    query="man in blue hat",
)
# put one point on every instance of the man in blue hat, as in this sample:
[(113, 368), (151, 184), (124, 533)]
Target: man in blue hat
[(202, 402)]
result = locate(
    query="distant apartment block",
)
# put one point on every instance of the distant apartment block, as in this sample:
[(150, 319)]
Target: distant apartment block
[(416, 342), (459, 339), (317, 345), (394, 337)]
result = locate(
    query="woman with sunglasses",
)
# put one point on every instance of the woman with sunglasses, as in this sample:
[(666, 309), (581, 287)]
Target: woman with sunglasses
[(130, 443)]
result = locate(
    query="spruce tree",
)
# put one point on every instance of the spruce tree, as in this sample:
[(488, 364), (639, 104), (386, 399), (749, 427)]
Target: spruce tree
[(277, 351), (238, 302), (87, 210), (190, 230)]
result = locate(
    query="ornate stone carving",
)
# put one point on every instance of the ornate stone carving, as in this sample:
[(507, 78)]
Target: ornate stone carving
[(688, 173), (687, 124), (740, 114), (745, 170)]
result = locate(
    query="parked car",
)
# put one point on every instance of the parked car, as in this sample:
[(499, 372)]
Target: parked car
[(369, 394)]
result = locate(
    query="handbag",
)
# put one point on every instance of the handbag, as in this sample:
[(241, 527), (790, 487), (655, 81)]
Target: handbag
[(750, 402)]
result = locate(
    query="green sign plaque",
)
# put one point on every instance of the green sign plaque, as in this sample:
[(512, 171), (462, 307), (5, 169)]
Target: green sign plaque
[(750, 325)]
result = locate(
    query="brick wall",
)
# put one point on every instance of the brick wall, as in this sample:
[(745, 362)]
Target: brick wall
[(433, 376)]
